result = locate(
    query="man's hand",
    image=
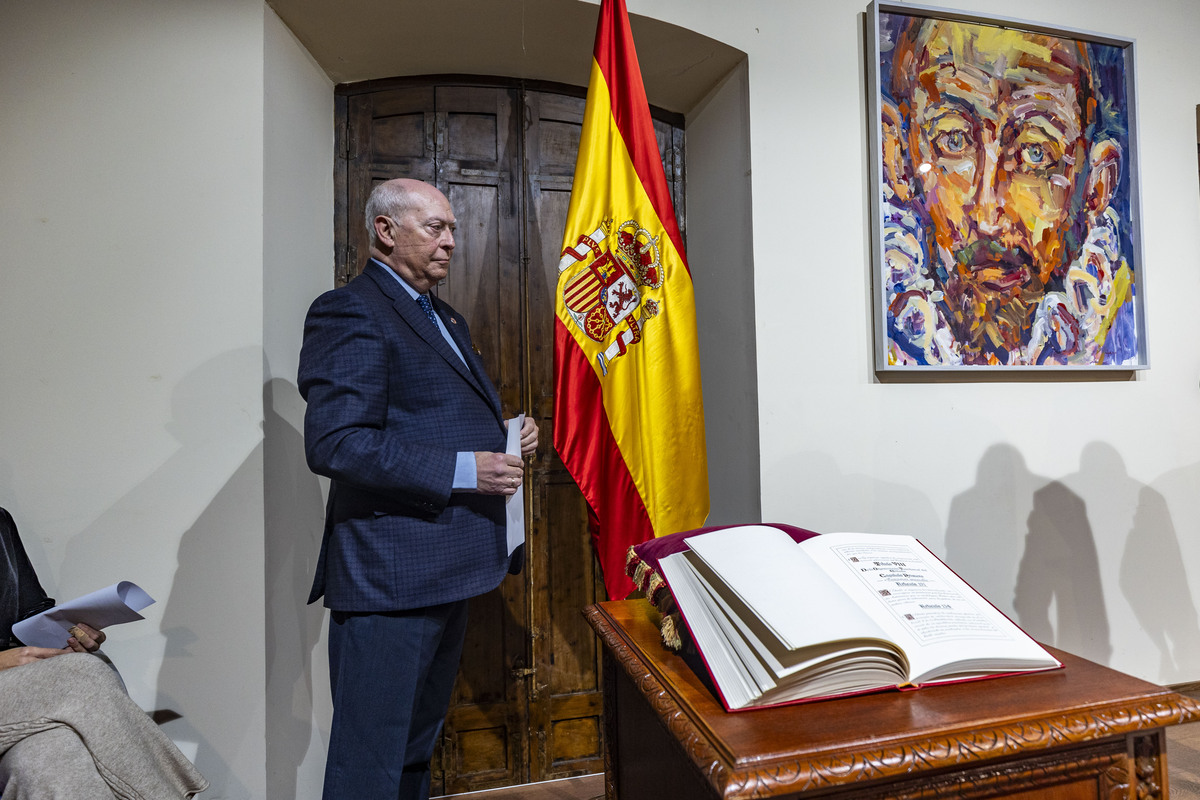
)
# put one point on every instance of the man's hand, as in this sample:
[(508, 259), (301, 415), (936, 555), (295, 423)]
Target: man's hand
[(499, 473), (20, 656), (529, 436)]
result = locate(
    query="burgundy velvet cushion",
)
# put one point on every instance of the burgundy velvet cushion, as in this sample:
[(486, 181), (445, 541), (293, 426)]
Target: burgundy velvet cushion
[(641, 564)]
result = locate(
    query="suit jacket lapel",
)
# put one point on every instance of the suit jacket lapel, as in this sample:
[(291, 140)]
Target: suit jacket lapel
[(477, 371), (414, 317)]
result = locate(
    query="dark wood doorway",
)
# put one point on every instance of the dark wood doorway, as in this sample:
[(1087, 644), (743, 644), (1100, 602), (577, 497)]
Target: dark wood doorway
[(527, 703)]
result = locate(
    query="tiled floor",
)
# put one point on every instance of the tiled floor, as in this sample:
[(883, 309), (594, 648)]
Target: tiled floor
[(1183, 766)]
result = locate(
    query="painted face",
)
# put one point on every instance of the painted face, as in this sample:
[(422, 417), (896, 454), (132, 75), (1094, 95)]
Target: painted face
[(997, 145), (423, 239)]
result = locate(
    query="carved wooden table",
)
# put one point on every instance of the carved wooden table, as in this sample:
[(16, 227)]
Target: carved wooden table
[(1081, 732)]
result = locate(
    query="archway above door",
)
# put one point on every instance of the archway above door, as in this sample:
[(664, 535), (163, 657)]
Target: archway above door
[(535, 40)]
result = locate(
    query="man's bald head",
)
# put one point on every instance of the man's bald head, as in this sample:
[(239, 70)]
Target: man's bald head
[(393, 198)]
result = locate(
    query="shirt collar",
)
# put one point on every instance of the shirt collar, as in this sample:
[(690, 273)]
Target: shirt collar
[(415, 294)]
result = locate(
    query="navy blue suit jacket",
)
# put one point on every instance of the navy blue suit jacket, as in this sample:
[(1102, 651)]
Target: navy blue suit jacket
[(389, 407)]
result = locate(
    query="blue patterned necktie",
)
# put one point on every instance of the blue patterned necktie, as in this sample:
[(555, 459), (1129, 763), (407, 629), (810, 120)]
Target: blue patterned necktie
[(427, 306)]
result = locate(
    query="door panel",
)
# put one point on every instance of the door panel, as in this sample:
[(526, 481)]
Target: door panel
[(479, 168), (478, 164), (566, 660), (388, 134), (552, 141), (526, 706)]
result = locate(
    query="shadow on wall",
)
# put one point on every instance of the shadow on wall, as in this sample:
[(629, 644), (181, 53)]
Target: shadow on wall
[(294, 525), (1058, 597), (983, 531), (207, 493), (1060, 573), (204, 668), (1153, 578), (1053, 583)]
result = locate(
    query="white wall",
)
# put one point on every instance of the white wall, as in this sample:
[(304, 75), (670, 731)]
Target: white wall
[(297, 266), (165, 218), (979, 470), (131, 335), (1104, 470), (721, 258)]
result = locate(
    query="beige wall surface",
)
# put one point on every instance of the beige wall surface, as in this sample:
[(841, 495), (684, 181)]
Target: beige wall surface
[(131, 335), (1071, 501), (297, 266), (165, 219)]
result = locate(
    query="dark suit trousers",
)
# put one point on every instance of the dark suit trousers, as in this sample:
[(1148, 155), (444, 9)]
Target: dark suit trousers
[(391, 675)]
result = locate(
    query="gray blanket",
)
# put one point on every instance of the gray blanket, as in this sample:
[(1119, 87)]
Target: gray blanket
[(79, 693)]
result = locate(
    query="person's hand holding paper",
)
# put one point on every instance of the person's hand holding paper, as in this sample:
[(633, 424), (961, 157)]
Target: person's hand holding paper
[(114, 604)]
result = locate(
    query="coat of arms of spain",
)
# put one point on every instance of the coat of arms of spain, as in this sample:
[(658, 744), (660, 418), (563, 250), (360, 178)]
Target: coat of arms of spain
[(602, 278)]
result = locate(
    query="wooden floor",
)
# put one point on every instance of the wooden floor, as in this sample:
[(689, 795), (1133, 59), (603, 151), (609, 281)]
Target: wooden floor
[(589, 787), (1183, 766), (1183, 757)]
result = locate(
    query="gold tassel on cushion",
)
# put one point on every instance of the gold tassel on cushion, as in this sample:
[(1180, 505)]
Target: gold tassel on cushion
[(670, 632), (639, 573), (654, 592), (654, 588)]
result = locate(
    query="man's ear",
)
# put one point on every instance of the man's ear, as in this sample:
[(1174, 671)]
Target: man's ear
[(896, 171), (1104, 172), (383, 230)]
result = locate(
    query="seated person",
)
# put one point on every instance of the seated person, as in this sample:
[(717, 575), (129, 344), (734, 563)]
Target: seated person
[(68, 730)]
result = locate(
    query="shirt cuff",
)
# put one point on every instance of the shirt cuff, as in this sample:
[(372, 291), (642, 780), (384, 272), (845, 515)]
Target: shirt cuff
[(465, 478)]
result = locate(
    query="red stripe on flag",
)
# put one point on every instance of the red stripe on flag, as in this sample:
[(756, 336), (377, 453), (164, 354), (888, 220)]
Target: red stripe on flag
[(583, 292), (615, 53), (585, 444)]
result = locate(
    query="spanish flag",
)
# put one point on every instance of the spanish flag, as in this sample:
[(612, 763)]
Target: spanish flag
[(628, 408)]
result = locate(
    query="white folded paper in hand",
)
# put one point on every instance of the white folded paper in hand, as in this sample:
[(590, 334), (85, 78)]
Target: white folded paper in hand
[(515, 504), (114, 604)]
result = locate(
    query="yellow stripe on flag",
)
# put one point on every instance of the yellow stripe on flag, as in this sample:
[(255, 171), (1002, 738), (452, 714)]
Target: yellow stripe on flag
[(651, 387)]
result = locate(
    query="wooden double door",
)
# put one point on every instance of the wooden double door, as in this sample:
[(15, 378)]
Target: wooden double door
[(527, 704)]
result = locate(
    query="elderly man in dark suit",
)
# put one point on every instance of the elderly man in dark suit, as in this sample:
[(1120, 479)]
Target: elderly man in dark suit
[(404, 421)]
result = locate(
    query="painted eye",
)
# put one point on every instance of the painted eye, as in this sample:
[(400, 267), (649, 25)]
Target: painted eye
[(1034, 155), (952, 143)]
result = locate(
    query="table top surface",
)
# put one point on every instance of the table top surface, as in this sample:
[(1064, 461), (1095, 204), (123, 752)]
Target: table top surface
[(871, 735)]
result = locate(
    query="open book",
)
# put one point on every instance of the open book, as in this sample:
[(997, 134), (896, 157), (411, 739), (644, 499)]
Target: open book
[(778, 621)]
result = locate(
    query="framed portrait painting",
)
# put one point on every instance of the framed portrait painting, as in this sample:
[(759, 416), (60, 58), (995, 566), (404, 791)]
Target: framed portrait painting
[(1005, 188)]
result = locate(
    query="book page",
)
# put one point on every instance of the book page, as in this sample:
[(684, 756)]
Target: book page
[(749, 665), (793, 597), (946, 627), (738, 683), (755, 641)]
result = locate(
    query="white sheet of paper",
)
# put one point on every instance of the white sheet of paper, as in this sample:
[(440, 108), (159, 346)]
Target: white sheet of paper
[(515, 504), (111, 605)]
